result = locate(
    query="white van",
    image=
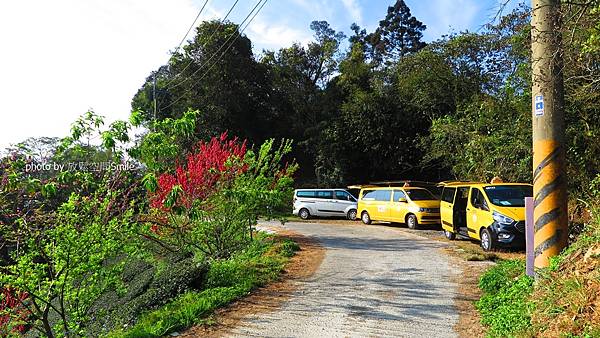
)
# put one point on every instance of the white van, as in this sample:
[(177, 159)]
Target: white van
[(324, 202)]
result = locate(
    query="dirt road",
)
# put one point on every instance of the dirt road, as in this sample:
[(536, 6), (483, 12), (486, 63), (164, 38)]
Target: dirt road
[(375, 281)]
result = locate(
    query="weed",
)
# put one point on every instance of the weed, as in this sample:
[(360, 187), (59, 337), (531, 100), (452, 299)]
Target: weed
[(504, 306)]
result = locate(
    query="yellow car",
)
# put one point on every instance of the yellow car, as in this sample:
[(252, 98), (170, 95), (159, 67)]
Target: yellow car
[(409, 205), (494, 213)]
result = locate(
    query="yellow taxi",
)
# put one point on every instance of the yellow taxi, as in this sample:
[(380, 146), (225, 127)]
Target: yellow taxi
[(409, 205), (492, 213)]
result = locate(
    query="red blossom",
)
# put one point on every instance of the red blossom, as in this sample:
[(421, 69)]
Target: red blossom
[(204, 171), (12, 300)]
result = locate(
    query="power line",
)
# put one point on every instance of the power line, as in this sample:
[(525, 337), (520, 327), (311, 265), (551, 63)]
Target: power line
[(231, 44), (239, 32), (233, 36), (176, 49), (191, 26), (211, 36)]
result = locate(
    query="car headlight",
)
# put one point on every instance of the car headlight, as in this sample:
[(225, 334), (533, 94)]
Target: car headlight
[(426, 210), (502, 219)]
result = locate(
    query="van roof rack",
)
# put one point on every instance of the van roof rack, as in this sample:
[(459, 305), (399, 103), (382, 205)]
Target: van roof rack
[(361, 186), (402, 182)]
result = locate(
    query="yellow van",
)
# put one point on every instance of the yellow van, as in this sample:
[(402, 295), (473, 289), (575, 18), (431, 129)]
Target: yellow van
[(492, 213), (409, 205)]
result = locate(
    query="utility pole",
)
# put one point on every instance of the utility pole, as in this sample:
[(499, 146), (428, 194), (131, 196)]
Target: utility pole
[(154, 95), (549, 177)]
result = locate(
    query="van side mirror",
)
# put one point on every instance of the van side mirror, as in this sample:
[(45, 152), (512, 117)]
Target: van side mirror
[(402, 200)]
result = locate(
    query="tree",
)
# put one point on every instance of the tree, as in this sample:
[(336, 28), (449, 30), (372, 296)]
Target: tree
[(64, 267), (208, 206), (299, 76), (217, 74), (399, 34)]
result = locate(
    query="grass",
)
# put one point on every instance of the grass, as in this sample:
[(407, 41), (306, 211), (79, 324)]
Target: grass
[(564, 301), (567, 298), (504, 305), (226, 281)]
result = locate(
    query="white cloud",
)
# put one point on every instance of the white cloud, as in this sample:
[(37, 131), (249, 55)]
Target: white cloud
[(454, 14), (275, 35), (354, 9)]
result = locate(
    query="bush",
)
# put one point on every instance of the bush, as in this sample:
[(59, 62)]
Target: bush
[(207, 208), (566, 296), (504, 305), (65, 268), (226, 281), (148, 289)]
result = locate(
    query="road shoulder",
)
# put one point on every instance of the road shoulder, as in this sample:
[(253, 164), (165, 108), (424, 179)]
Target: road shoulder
[(269, 298)]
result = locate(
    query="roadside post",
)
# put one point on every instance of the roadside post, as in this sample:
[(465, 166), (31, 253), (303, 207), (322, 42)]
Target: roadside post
[(529, 237), (549, 174)]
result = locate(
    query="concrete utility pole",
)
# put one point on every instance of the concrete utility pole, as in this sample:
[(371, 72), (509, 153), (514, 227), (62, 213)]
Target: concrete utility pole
[(549, 177), (154, 95)]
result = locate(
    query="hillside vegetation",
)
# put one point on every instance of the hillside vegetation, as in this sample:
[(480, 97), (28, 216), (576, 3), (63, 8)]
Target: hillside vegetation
[(563, 301), (364, 105), (98, 223)]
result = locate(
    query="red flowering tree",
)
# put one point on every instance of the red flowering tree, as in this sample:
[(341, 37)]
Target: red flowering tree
[(13, 313), (207, 206), (215, 163)]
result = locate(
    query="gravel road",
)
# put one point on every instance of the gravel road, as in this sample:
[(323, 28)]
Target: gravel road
[(375, 281)]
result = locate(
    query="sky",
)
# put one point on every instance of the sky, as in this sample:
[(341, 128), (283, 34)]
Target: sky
[(62, 58)]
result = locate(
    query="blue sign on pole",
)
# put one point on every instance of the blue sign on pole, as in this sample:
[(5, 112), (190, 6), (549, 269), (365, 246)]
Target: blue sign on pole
[(539, 105)]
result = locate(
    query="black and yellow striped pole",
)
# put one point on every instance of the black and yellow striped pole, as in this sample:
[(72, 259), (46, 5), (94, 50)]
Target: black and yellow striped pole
[(549, 178)]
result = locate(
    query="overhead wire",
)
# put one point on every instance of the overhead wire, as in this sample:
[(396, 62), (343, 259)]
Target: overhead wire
[(210, 37), (231, 44), (232, 36), (252, 13), (176, 50), (191, 26)]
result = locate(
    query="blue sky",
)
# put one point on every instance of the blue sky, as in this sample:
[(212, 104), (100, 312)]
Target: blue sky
[(284, 21), (60, 58)]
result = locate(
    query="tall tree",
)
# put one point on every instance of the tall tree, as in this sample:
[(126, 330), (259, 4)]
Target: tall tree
[(399, 34), (216, 74), (299, 76)]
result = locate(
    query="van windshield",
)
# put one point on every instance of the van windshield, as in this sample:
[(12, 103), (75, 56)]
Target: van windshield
[(508, 195), (419, 195)]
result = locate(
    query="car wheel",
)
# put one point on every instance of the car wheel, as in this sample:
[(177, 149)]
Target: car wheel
[(487, 241), (304, 214), (351, 215), (365, 217), (411, 222), (450, 235)]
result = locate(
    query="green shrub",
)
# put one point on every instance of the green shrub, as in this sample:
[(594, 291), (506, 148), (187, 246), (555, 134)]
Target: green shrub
[(289, 248), (504, 306), (182, 312), (501, 275), (146, 287), (225, 281)]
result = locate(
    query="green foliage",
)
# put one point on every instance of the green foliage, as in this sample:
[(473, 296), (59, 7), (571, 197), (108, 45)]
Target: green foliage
[(501, 275), (398, 34), (168, 141), (475, 143), (66, 267), (146, 286), (183, 312), (219, 224), (565, 298), (504, 306), (226, 281), (227, 84)]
